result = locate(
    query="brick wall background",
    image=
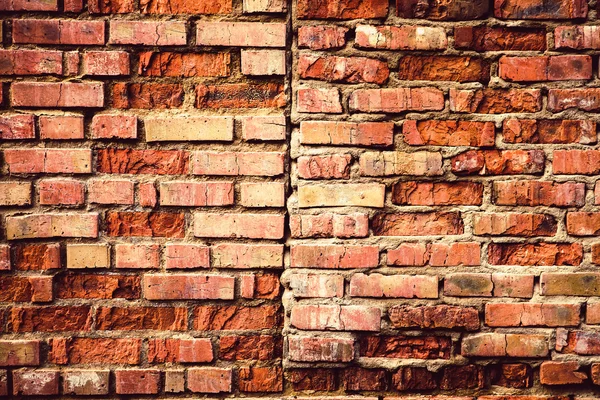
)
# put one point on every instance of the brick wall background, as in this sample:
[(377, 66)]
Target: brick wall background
[(319, 199)]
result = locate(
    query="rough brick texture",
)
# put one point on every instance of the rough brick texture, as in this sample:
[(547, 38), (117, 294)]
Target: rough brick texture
[(300, 199)]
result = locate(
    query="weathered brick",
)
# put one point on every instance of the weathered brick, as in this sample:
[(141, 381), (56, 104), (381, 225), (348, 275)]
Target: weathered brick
[(185, 7), (14, 353), (448, 133), (400, 37), (570, 284), (150, 33), (535, 254), (417, 224), (240, 34), (343, 69), (15, 193), (396, 100), (184, 65), (57, 94), (539, 193), (339, 195), (207, 318), (434, 317), (106, 63), (152, 224), (394, 286), (538, 9), (499, 162), (314, 349), (553, 68), (147, 95), (495, 101), (52, 225), (260, 379), (50, 319), (109, 126), (587, 99), (403, 347), (251, 226), (443, 10), (531, 314), (549, 131), (240, 95), (192, 287), (58, 31), (137, 255), (322, 37), (244, 256), (336, 318), (137, 381), (35, 382), (88, 256), (31, 62), (195, 194), (237, 163), (334, 256), (313, 285), (136, 318), (132, 161), (263, 62), (344, 9), (319, 100), (347, 133), (263, 128), (576, 37), (513, 224), (435, 254), (400, 163), (209, 380), (486, 38), (437, 194), (79, 350), (443, 68), (85, 382)]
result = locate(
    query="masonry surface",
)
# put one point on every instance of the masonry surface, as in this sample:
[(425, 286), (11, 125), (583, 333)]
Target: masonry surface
[(342, 199)]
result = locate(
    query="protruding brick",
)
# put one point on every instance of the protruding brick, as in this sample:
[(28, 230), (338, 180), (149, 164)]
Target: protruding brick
[(499, 162), (549, 131), (35, 382), (314, 349), (14, 193), (513, 224), (539, 193), (88, 256), (85, 382)]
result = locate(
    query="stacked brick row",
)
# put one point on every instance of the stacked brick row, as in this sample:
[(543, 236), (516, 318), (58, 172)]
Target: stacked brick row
[(444, 214), (142, 197)]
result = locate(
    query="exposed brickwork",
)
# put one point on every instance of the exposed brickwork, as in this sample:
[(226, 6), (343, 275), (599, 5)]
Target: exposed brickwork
[(341, 199)]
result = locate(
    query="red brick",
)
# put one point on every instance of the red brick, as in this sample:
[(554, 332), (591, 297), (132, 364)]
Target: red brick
[(16, 353), (320, 100), (185, 7), (91, 286), (495, 101), (463, 377), (267, 128), (531, 254), (35, 382), (414, 378), (576, 37), (334, 256), (147, 196), (23, 5), (404, 347), (534, 193), (322, 37), (448, 133), (581, 343), (396, 100), (147, 95), (400, 37), (183, 256), (531, 314), (343, 9), (417, 224), (442, 10), (110, 6), (260, 379), (435, 254), (196, 194), (106, 63), (50, 319), (394, 286), (561, 373), (549, 131), (61, 127), (443, 68), (499, 162), (137, 381), (188, 287), (240, 95), (503, 345), (587, 99), (94, 351), (434, 317), (261, 347), (583, 223), (312, 379), (260, 286), (486, 38), (553, 68), (58, 31), (137, 255), (57, 94), (61, 192), (538, 9), (152, 224), (49, 161), (106, 126), (358, 379), (184, 65), (137, 318), (208, 318), (314, 349), (180, 350), (511, 375), (336, 318), (580, 162), (343, 69), (513, 224), (325, 167), (438, 194), (31, 62), (132, 161), (150, 33), (209, 380)]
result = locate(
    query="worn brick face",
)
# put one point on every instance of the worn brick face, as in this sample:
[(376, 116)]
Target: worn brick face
[(299, 199)]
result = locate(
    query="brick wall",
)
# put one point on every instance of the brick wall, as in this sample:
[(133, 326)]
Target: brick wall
[(323, 199)]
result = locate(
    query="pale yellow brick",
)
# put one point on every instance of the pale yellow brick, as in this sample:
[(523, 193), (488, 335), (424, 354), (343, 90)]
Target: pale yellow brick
[(88, 256), (263, 194), (186, 128), (15, 193), (263, 62), (340, 195), (264, 6)]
